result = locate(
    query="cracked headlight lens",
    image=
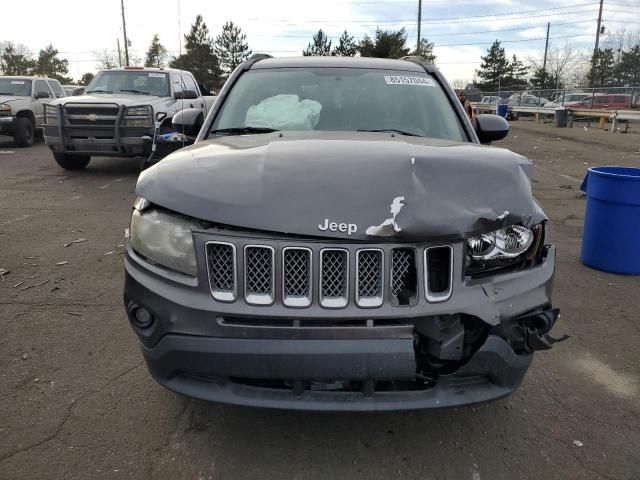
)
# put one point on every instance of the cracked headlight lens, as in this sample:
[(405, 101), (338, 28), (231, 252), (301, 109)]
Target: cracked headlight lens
[(498, 249), (164, 239)]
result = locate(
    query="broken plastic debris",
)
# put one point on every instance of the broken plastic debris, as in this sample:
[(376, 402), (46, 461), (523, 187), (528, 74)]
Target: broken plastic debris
[(7, 152), (75, 314), (577, 443), (78, 240), (61, 263)]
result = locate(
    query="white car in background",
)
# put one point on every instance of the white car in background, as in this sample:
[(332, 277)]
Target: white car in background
[(567, 98)]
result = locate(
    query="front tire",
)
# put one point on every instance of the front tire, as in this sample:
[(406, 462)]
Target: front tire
[(71, 161), (24, 133)]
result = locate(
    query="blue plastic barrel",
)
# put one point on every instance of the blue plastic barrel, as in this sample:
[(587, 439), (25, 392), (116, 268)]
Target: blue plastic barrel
[(611, 240), (501, 109)]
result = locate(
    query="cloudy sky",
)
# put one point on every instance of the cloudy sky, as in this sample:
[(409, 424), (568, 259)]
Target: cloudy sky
[(461, 29)]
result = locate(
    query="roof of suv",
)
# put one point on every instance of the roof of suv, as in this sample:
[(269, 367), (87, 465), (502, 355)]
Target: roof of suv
[(339, 62), (27, 77)]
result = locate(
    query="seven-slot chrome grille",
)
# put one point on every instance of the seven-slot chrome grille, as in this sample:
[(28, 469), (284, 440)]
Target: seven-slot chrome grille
[(376, 275)]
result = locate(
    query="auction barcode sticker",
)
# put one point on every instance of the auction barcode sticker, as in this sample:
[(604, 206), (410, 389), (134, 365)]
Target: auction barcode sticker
[(402, 80), (156, 75), (17, 82)]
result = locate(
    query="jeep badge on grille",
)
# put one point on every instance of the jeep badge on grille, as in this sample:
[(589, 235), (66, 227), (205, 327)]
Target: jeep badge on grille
[(348, 228)]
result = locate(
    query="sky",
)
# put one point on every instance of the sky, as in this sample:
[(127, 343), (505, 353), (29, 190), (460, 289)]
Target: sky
[(462, 30)]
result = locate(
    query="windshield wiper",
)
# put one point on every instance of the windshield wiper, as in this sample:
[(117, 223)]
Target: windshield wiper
[(135, 91), (242, 130), (7, 93), (99, 91), (393, 130)]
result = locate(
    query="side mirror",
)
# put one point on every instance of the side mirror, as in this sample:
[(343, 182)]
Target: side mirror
[(490, 128), (77, 91), (205, 91), (186, 95), (42, 94), (188, 121)]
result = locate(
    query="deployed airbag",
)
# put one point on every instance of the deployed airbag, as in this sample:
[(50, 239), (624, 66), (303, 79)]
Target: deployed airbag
[(284, 112)]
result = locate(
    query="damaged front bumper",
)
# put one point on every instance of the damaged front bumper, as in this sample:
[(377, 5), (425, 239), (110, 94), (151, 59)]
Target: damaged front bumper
[(346, 360)]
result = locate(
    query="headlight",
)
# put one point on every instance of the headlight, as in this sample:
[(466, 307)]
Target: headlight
[(5, 110), (164, 239), (138, 117), (498, 249)]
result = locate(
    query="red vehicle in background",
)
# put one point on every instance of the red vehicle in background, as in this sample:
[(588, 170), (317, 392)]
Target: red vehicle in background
[(603, 101)]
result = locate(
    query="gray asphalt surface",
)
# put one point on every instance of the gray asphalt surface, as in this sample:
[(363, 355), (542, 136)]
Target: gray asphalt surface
[(77, 402)]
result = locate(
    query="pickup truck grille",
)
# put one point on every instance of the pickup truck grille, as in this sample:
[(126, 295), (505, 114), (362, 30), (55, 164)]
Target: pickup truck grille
[(333, 277)]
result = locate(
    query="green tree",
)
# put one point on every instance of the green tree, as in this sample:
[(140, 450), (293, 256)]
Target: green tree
[(543, 79), (199, 58), (386, 44), (157, 54), (601, 73), (627, 72), (425, 50), (516, 78), (320, 46), (494, 69), (49, 65), (86, 78), (231, 48), (16, 61), (346, 47)]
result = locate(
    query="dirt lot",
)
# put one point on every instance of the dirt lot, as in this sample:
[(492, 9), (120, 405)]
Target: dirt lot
[(76, 400)]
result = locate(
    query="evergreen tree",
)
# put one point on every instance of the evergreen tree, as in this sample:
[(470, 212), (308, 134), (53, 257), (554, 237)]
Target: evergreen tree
[(627, 72), (231, 48), (601, 73), (49, 65), (199, 58), (544, 79), (494, 69), (425, 50), (14, 62), (320, 46), (387, 44), (86, 78), (157, 54), (346, 46), (516, 79)]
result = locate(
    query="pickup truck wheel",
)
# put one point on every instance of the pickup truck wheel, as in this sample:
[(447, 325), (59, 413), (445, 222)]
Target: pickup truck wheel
[(24, 132), (71, 161)]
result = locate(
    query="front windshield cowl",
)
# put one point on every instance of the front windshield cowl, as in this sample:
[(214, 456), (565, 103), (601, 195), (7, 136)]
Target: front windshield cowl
[(404, 103)]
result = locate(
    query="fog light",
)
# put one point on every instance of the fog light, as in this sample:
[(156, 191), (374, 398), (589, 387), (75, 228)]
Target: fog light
[(143, 317)]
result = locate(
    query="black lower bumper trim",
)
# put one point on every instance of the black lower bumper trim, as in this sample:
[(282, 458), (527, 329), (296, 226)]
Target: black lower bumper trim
[(203, 367)]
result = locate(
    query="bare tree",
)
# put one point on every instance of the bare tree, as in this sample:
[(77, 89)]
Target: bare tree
[(561, 61), (106, 59), (459, 84), (621, 41)]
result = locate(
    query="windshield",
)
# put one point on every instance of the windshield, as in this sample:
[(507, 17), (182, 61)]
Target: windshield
[(130, 82), (339, 99), (15, 86)]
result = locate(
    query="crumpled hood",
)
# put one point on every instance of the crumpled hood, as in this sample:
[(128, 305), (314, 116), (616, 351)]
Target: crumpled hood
[(126, 100), (389, 188)]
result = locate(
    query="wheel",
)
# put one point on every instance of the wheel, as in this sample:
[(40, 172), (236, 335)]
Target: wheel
[(24, 133), (71, 161)]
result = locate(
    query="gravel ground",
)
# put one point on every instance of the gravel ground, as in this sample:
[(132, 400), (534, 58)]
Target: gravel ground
[(76, 400)]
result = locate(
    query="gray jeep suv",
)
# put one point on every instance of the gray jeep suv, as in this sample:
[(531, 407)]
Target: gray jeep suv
[(339, 239)]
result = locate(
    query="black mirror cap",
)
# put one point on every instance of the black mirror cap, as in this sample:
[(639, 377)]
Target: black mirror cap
[(42, 94), (77, 91), (188, 121), (490, 128), (186, 95)]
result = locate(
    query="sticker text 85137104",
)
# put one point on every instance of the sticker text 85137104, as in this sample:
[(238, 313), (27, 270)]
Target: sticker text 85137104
[(404, 80)]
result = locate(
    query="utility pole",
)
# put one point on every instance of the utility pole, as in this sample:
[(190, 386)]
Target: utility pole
[(546, 49), (595, 49), (119, 53), (126, 42), (419, 25)]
